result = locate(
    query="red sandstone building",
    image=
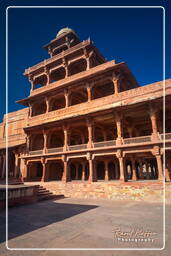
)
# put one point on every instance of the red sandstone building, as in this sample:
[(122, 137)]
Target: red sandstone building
[(86, 119)]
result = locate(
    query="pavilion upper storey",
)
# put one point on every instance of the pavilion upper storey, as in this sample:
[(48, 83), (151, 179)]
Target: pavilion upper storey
[(68, 57)]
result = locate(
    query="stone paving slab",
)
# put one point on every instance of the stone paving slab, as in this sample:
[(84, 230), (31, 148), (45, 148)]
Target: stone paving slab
[(81, 223)]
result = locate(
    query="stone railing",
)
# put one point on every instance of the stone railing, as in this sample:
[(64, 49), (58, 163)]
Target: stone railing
[(137, 140), (167, 136), (54, 150), (104, 143), (77, 147), (36, 152)]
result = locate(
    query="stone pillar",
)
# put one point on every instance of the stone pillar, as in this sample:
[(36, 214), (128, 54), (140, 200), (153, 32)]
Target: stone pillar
[(66, 172), (134, 173), (106, 171), (45, 142), (153, 117), (115, 80), (24, 172), (120, 157), (47, 72), (30, 78), (89, 96), (83, 171), (28, 143), (65, 129), (47, 104), (91, 171), (16, 170), (147, 170), (118, 120), (89, 126), (160, 167), (44, 175), (156, 152), (66, 94), (30, 110)]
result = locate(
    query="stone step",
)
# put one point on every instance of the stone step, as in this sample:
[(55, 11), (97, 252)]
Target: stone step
[(49, 197)]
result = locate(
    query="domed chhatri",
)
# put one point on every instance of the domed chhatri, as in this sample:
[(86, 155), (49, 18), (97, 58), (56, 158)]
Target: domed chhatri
[(65, 30)]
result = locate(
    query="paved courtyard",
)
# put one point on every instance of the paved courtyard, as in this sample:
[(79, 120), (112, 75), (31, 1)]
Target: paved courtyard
[(84, 223)]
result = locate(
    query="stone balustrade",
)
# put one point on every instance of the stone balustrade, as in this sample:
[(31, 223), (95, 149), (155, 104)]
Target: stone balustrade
[(102, 144)]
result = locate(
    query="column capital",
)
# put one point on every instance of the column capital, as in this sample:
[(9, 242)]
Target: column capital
[(65, 158), (156, 151)]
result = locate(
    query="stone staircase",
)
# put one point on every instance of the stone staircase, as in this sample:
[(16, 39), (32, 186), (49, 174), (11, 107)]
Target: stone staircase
[(45, 194)]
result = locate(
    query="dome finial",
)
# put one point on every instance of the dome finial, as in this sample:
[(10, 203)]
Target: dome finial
[(65, 30)]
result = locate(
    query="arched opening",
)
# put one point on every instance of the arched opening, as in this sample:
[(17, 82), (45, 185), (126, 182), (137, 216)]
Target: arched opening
[(35, 171), (77, 67), (78, 97), (39, 108), (57, 74), (112, 171), (60, 49), (37, 142), (40, 81), (57, 104), (102, 89), (55, 170), (87, 171), (56, 140), (72, 171), (128, 166), (11, 164), (100, 171), (78, 136), (98, 134)]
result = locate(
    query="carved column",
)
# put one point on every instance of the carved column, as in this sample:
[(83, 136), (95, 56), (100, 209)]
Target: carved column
[(30, 110), (89, 126), (16, 170), (44, 164), (115, 80), (120, 157), (83, 170), (156, 152), (30, 78), (89, 96), (24, 173), (45, 142), (47, 104), (66, 94), (65, 63), (134, 173), (65, 129), (130, 131), (28, 143), (153, 117), (91, 171), (66, 171), (47, 72), (118, 120), (106, 171)]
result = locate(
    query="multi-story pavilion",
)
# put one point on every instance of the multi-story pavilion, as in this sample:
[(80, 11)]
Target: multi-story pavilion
[(87, 119)]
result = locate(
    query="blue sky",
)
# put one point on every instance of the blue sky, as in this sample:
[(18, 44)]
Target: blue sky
[(130, 35)]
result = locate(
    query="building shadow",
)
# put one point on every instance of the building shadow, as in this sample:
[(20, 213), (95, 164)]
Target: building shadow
[(27, 218)]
